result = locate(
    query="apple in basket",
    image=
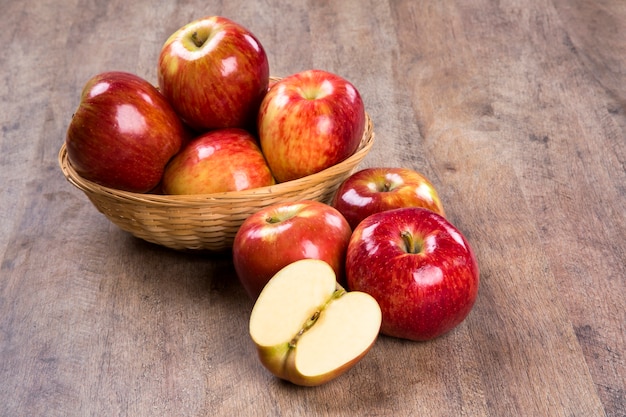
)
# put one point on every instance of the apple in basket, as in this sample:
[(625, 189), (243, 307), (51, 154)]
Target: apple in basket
[(308, 122), (215, 73), (418, 266), (307, 329), (372, 190), (123, 132), (285, 232), (221, 160)]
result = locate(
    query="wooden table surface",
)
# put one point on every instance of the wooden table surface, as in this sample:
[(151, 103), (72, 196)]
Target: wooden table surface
[(515, 110)]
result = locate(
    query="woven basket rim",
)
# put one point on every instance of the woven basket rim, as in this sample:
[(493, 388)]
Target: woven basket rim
[(87, 186)]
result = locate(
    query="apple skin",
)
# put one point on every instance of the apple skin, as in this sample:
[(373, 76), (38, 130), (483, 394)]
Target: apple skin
[(221, 160), (123, 132), (418, 266), (308, 122), (286, 232), (219, 83), (372, 190)]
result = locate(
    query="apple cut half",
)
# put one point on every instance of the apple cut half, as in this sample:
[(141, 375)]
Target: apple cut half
[(307, 329)]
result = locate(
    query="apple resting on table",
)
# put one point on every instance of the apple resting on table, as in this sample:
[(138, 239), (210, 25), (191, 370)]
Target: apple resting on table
[(282, 233), (123, 133), (218, 161), (308, 122), (215, 73), (418, 266), (372, 190), (307, 329)]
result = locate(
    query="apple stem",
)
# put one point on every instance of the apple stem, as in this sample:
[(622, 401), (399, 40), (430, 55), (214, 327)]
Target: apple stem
[(386, 186), (196, 40), (411, 246), (339, 291)]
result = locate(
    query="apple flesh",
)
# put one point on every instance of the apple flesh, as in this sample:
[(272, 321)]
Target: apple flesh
[(418, 266), (282, 233), (123, 132), (218, 161), (308, 122), (307, 329), (215, 73), (372, 190)]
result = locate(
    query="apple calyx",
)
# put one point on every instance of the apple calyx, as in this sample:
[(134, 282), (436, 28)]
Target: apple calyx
[(411, 245)]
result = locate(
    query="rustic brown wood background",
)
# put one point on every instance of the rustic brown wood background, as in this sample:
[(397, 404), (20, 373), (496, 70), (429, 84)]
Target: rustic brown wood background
[(516, 110)]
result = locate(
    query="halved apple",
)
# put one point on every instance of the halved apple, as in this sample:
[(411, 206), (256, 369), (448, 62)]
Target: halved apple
[(307, 329)]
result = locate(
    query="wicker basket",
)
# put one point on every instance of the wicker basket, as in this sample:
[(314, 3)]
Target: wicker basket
[(208, 221)]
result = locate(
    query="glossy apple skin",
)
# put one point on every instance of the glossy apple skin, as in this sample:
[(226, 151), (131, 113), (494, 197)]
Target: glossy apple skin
[(123, 132), (218, 161), (372, 190), (218, 84), (280, 234), (422, 295), (308, 122)]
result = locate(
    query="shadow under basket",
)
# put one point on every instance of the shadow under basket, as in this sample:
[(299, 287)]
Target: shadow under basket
[(208, 221)]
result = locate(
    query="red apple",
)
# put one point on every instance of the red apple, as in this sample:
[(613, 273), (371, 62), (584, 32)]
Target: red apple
[(123, 133), (215, 73), (308, 122), (218, 161), (283, 233), (372, 190), (418, 266)]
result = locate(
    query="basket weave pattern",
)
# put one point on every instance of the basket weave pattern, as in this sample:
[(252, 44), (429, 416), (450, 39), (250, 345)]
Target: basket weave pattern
[(208, 221)]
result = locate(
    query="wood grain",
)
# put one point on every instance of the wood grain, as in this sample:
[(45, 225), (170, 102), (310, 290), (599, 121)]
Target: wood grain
[(515, 111)]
